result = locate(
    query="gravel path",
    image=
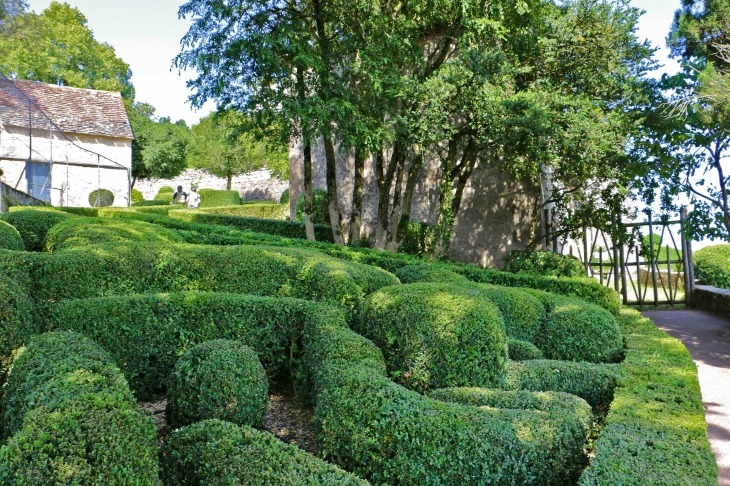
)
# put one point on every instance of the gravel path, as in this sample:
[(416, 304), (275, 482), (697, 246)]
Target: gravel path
[(707, 337)]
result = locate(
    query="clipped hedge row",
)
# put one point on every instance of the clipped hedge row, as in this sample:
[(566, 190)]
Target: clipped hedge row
[(428, 273), (10, 238), (79, 232), (655, 432), (124, 268), (210, 198), (712, 265), (436, 335), (218, 379), (260, 210), (545, 263), (288, 229), (18, 320), (34, 224), (71, 419), (217, 452), (519, 350)]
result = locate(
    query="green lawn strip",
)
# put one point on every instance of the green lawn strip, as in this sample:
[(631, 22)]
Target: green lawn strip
[(655, 432)]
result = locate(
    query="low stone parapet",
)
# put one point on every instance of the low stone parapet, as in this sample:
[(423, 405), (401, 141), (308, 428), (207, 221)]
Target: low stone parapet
[(712, 299), (12, 197)]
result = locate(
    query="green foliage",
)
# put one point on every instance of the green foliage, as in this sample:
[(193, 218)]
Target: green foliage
[(218, 379), (284, 199), (159, 147), (436, 335), (544, 263), (219, 452), (36, 47), (165, 197), (320, 208), (17, 318), (421, 237), (212, 198), (137, 196), (34, 224), (523, 314), (428, 273), (88, 212), (655, 432), (594, 383), (712, 265), (288, 229), (10, 239), (71, 419), (261, 211), (92, 231), (522, 350), (101, 198), (575, 330), (156, 202), (166, 189)]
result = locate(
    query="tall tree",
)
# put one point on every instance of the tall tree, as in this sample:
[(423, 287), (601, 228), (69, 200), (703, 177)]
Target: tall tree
[(223, 144), (11, 8), (159, 148)]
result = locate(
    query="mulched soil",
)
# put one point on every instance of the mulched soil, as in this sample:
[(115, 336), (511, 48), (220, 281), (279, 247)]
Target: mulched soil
[(287, 419)]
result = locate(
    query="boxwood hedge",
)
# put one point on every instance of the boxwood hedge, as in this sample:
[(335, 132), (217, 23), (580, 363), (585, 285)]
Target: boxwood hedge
[(33, 224), (259, 210), (10, 238), (428, 273), (436, 335), (71, 419), (217, 452), (545, 263), (712, 265), (210, 198), (89, 231), (18, 318), (522, 350), (218, 379)]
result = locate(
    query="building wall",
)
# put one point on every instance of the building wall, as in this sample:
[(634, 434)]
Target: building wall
[(71, 183), (497, 214)]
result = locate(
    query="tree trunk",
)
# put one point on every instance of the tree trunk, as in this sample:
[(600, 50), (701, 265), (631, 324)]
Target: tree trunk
[(230, 180), (405, 217), (308, 226), (395, 211), (332, 200), (134, 180), (385, 183), (469, 160), (356, 213)]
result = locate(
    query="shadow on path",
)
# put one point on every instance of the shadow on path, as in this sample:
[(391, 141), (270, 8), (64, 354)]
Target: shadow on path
[(707, 337)]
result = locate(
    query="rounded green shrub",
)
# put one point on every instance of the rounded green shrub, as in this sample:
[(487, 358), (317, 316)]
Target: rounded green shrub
[(137, 196), (428, 273), (436, 335), (164, 196), (218, 379), (166, 190), (34, 224), (10, 238), (217, 452), (522, 350), (575, 330), (523, 314), (213, 198), (155, 202), (545, 263), (712, 265), (320, 207), (101, 198), (284, 199), (17, 318), (91, 231)]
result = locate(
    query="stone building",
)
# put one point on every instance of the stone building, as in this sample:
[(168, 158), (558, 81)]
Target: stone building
[(497, 213), (59, 144)]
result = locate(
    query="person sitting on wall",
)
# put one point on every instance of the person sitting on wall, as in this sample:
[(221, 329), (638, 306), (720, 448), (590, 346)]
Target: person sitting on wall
[(194, 200), (179, 197)]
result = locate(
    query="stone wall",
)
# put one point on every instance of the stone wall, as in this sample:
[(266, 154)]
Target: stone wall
[(258, 185), (11, 197), (497, 214), (712, 299)]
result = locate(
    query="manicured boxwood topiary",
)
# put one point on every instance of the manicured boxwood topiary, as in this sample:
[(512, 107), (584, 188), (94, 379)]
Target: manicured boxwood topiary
[(284, 199), (211, 198), (320, 207), (435, 335), (72, 420), (217, 452), (18, 320), (544, 263), (137, 196), (89, 231), (261, 210), (10, 238), (165, 190), (523, 314), (522, 350), (594, 383), (712, 265), (101, 198), (155, 202), (164, 197), (428, 273), (218, 379), (34, 224)]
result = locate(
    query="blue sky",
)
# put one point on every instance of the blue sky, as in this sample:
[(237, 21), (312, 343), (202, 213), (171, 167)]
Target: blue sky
[(147, 33)]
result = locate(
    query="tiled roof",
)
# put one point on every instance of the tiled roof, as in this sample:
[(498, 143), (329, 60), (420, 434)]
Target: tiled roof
[(73, 110)]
